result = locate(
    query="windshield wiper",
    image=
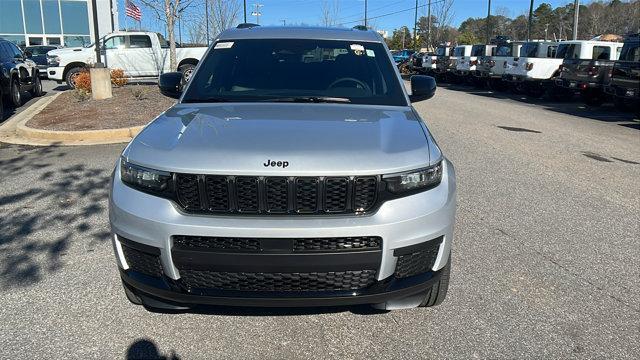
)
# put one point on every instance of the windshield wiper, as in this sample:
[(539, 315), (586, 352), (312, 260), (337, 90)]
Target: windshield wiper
[(312, 99), (205, 100)]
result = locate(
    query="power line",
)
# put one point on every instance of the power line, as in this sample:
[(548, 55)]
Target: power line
[(392, 13)]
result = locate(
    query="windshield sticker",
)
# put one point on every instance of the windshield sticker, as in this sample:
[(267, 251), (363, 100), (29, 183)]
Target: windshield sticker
[(371, 53), (224, 45), (357, 49)]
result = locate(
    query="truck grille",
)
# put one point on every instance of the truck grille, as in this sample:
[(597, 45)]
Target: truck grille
[(145, 263), (331, 244), (261, 281), (276, 195)]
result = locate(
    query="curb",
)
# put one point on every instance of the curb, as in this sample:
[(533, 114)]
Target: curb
[(15, 131)]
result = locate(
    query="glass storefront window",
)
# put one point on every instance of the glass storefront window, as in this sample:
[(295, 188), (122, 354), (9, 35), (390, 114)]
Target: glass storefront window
[(75, 41), (16, 39), (51, 14), (35, 41), (32, 18), (75, 17), (53, 41), (11, 17)]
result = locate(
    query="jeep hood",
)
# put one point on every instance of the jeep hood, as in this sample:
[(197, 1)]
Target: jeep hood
[(315, 139)]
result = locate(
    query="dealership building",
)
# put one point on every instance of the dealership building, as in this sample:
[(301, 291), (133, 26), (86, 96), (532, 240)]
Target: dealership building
[(55, 22)]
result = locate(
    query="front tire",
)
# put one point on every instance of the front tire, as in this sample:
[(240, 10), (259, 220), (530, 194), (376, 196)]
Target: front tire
[(438, 292), (36, 91), (14, 92), (71, 75)]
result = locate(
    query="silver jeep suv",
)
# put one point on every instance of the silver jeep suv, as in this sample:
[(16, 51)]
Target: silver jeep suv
[(293, 171)]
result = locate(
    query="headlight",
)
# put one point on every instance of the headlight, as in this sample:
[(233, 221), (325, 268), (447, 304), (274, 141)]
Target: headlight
[(414, 180), (148, 180), (53, 60)]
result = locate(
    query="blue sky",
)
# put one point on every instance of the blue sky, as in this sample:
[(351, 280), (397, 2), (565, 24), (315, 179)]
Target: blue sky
[(308, 11)]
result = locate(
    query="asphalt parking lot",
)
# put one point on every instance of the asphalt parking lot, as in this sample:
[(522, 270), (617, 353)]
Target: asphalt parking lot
[(545, 259)]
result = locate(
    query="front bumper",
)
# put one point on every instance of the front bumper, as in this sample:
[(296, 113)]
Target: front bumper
[(55, 73), (152, 221)]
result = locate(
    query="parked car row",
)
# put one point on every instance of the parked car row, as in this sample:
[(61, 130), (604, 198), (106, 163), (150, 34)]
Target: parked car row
[(18, 74), (595, 69)]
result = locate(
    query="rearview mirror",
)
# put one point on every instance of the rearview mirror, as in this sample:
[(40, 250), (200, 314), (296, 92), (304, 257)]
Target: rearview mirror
[(422, 88), (170, 84)]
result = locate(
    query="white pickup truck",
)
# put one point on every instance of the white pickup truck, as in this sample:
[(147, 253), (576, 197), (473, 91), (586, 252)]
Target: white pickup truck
[(139, 54), (467, 64)]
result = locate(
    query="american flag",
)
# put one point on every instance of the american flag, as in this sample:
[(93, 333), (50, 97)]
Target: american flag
[(133, 11)]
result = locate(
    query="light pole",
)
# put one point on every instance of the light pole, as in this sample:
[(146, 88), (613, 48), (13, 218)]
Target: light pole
[(245, 11), (96, 34), (257, 13), (488, 20), (576, 10), (365, 13), (429, 26), (530, 21), (206, 17), (415, 26)]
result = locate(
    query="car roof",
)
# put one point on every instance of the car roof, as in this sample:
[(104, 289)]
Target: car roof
[(294, 32)]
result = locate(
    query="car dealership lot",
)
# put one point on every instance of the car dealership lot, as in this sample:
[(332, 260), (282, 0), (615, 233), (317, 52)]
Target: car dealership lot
[(545, 259)]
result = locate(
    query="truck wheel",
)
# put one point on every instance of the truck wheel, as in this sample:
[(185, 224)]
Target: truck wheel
[(438, 292), (37, 86), (187, 71), (14, 92), (70, 78)]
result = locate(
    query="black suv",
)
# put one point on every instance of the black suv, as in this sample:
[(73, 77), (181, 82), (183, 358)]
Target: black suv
[(624, 85), (17, 74)]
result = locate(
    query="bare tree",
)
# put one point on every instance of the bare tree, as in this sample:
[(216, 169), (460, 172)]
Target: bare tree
[(167, 11), (443, 11), (224, 14), (329, 12)]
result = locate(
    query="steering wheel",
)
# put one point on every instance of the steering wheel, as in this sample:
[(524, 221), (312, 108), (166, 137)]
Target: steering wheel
[(359, 83)]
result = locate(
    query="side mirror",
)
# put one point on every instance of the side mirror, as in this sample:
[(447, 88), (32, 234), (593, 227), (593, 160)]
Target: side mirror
[(422, 88), (18, 57), (170, 84), (28, 54)]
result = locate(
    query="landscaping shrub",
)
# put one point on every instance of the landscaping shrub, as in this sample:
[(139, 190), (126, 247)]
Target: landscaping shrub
[(81, 95), (118, 78), (83, 81), (138, 92)]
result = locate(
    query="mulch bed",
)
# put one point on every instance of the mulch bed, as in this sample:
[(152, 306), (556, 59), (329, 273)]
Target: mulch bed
[(124, 109)]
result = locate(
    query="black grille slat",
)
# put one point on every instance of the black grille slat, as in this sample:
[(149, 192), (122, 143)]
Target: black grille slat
[(247, 194), (335, 194), (364, 193), (142, 262), (217, 189), (306, 195), (338, 244), (188, 192), (219, 194), (217, 243), (310, 281), (277, 194)]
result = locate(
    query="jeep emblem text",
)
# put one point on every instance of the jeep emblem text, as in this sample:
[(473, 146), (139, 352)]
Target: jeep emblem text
[(273, 163)]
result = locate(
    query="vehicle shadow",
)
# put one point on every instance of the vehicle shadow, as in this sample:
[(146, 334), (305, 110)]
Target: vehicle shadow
[(606, 112), (53, 208)]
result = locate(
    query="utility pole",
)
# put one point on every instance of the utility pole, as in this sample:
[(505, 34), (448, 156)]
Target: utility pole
[(415, 27), (245, 11), (365, 13), (488, 21), (429, 26), (257, 13), (206, 18), (530, 21), (576, 10)]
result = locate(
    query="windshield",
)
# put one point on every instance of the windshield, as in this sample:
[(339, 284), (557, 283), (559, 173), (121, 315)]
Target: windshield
[(441, 51), (630, 51), (504, 50), (477, 50), (459, 51), (529, 50), (281, 69), (568, 51)]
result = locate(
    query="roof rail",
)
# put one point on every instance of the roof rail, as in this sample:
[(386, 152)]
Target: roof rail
[(246, 26), (360, 27)]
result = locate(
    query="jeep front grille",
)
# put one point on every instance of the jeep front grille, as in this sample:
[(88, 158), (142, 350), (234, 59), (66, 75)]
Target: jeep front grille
[(276, 195)]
